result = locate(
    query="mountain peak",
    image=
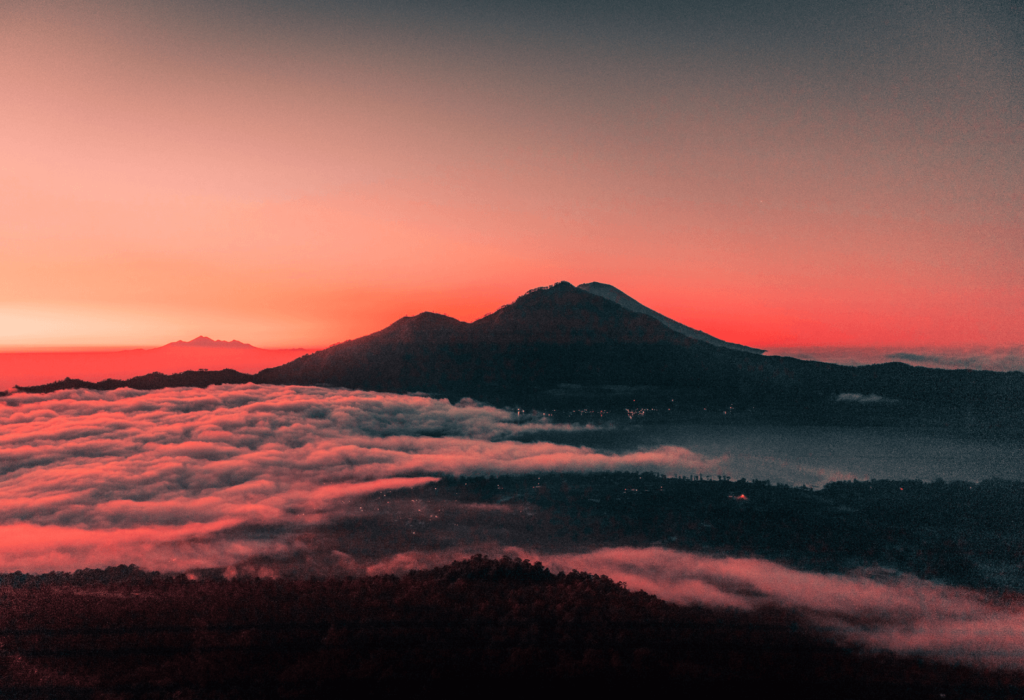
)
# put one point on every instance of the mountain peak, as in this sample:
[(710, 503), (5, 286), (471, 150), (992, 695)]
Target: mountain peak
[(563, 313), (203, 342)]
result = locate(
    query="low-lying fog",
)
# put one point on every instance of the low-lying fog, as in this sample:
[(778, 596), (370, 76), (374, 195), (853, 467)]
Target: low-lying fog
[(293, 481)]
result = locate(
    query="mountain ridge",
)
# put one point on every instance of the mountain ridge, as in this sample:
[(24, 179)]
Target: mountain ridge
[(490, 351), (561, 348)]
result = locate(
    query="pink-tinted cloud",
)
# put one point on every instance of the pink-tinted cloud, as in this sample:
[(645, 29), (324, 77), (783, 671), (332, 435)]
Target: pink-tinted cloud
[(903, 614), (38, 548), (249, 479), (112, 466)]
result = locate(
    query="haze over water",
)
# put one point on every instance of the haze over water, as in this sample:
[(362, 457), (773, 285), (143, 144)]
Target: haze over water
[(814, 455)]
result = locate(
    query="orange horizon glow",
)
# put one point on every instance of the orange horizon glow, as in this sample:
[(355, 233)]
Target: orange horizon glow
[(297, 180)]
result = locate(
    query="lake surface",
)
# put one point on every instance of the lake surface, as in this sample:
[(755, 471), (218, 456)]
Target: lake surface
[(816, 455)]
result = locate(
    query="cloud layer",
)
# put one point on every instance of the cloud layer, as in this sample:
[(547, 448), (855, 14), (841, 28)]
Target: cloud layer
[(266, 480), (186, 478), (899, 613)]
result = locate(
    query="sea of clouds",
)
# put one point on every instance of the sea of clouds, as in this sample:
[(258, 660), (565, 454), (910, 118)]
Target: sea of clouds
[(182, 479), (179, 478)]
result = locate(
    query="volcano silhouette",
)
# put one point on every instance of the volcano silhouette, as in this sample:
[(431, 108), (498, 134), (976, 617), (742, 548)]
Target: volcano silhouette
[(561, 347), (548, 337), (564, 348)]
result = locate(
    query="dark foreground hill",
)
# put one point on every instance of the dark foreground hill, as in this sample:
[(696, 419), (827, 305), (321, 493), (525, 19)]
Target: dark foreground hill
[(480, 624), (561, 348), (958, 533)]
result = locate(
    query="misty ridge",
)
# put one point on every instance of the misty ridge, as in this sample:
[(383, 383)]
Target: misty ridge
[(560, 430), (993, 359)]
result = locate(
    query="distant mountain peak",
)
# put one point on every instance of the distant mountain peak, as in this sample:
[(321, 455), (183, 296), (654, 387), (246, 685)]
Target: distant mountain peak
[(203, 342), (610, 293)]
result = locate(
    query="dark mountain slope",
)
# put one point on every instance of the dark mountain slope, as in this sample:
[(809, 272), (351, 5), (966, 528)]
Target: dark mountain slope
[(609, 292), (402, 357), (562, 314), (559, 347), (548, 337)]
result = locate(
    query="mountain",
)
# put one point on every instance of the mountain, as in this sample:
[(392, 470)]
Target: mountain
[(33, 368), (204, 342), (560, 348), (563, 348), (549, 336), (627, 302)]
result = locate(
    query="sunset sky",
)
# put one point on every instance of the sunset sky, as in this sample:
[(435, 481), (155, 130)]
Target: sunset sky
[(294, 174)]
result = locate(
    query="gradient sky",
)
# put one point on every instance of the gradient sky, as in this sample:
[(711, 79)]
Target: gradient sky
[(296, 174)]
